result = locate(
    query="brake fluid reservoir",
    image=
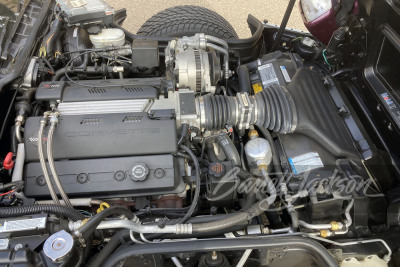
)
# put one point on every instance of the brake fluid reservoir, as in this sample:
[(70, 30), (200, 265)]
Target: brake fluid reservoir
[(258, 152), (108, 37)]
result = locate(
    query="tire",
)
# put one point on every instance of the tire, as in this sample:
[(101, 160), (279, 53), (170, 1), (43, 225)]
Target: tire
[(186, 21)]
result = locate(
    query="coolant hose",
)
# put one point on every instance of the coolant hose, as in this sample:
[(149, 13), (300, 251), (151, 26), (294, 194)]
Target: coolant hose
[(61, 72), (254, 210), (239, 218), (108, 249), (210, 151), (244, 79), (59, 210), (90, 226), (229, 149)]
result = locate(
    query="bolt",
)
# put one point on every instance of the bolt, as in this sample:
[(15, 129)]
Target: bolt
[(82, 178), (214, 255), (40, 181), (119, 176), (18, 246)]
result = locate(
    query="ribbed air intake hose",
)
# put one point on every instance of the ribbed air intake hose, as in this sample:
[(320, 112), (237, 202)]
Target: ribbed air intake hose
[(273, 108)]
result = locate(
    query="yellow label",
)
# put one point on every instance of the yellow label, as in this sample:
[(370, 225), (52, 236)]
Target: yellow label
[(257, 88)]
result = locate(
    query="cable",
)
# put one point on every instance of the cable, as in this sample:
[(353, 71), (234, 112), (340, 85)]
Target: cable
[(326, 60), (196, 196), (3, 127), (15, 211), (53, 122), (53, 193), (6, 193), (197, 190)]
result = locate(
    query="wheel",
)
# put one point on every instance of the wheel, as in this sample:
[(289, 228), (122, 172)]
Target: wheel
[(186, 21)]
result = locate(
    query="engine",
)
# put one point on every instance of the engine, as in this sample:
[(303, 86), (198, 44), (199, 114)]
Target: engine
[(182, 128)]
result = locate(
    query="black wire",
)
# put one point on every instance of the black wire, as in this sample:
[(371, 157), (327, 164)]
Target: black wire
[(48, 65), (3, 127), (193, 206)]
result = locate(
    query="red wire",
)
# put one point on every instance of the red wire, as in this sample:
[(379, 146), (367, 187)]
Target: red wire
[(7, 193)]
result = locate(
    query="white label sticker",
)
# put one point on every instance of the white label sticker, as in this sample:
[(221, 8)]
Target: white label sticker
[(306, 162), (268, 75), (23, 225), (4, 244), (285, 74), (77, 3)]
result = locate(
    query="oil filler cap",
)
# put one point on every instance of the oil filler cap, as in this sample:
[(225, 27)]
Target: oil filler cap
[(139, 172)]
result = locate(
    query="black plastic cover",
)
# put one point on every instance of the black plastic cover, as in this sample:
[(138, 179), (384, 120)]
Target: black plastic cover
[(118, 89), (111, 177), (105, 135), (318, 116)]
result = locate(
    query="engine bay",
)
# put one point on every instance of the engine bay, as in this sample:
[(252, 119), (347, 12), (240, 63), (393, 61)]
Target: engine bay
[(182, 139)]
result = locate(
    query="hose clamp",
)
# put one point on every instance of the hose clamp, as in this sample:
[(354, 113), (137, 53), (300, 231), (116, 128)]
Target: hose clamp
[(245, 106)]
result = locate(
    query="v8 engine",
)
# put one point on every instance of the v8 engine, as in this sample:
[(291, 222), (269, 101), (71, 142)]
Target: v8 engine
[(180, 137)]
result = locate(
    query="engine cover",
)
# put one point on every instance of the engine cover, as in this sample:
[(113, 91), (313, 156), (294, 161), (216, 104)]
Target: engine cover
[(111, 177), (104, 135)]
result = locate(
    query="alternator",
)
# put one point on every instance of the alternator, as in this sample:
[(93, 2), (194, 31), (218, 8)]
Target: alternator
[(193, 63)]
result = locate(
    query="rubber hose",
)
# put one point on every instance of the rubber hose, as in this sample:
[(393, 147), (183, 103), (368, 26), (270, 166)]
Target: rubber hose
[(196, 192), (220, 224), (60, 72), (198, 181), (244, 175), (229, 149), (239, 218), (184, 132), (59, 210), (90, 226), (108, 249), (275, 156), (244, 79), (210, 151), (278, 171)]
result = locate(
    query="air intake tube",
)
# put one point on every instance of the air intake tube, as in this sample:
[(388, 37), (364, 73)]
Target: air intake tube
[(273, 108)]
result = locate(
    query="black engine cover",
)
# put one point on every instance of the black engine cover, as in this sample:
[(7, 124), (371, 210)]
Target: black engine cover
[(110, 177)]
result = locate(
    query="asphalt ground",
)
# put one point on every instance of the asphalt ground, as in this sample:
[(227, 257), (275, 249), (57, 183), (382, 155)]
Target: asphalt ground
[(235, 12)]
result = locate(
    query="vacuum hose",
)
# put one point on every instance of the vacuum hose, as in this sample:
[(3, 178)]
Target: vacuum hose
[(273, 108)]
